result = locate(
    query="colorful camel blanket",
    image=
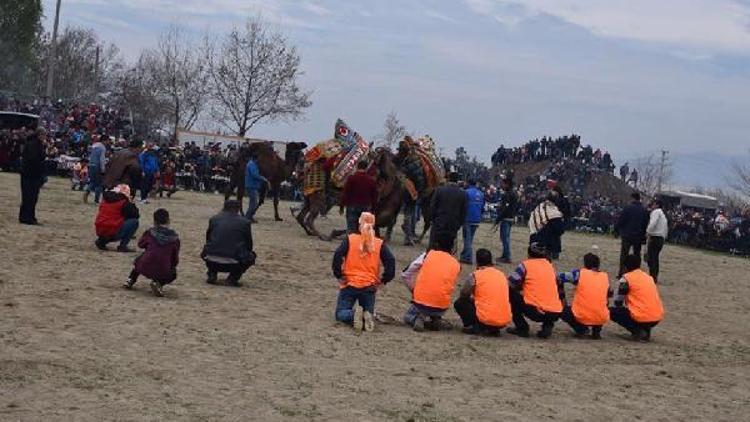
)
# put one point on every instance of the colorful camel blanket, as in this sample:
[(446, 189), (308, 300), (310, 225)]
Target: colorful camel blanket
[(339, 154), (422, 165)]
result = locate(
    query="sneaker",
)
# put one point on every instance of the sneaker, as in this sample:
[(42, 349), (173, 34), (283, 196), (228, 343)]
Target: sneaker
[(156, 288), (516, 332), (419, 324), (125, 249), (100, 244), (358, 321), (144, 201), (369, 322), (129, 283)]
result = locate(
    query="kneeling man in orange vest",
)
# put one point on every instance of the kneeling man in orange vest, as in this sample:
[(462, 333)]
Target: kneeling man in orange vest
[(642, 308), (590, 310), (356, 264), (434, 286), (484, 304), (534, 293)]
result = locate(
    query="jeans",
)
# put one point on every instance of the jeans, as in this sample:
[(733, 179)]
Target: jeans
[(95, 182), (252, 203), (352, 218), (348, 296), (521, 311), (567, 316), (30, 186), (468, 232), (126, 232), (415, 310), (625, 246), (621, 316), (235, 270), (505, 226), (146, 184), (655, 244)]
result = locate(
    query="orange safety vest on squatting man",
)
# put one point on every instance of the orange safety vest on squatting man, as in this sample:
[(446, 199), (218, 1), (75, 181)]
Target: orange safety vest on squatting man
[(436, 280), (540, 286), (590, 302), (642, 300), (491, 297)]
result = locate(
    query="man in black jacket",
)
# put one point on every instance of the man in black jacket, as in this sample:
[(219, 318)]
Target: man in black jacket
[(229, 244), (506, 214), (448, 208), (32, 176), (631, 227)]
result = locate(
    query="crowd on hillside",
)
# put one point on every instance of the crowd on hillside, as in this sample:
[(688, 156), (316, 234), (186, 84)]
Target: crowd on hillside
[(547, 148)]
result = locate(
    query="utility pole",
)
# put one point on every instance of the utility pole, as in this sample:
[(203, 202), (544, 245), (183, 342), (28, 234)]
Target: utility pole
[(52, 54), (662, 166)]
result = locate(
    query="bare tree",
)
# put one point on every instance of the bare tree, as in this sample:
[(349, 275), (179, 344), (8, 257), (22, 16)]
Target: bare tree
[(136, 93), (393, 131), (652, 172), (254, 74), (739, 178), (179, 77)]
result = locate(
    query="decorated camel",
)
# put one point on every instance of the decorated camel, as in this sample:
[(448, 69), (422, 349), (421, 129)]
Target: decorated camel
[(270, 165)]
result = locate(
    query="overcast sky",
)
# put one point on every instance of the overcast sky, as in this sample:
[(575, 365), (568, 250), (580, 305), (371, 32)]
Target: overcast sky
[(630, 76)]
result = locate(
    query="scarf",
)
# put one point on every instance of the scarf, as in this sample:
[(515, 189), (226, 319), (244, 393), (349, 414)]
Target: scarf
[(367, 231), (542, 215), (123, 189)]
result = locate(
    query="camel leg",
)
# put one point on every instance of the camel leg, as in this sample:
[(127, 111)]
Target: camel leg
[(316, 204), (302, 215)]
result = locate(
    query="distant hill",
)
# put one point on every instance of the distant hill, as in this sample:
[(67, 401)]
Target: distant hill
[(705, 169)]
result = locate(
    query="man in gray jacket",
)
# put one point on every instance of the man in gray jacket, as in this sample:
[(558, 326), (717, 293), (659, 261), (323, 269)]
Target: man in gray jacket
[(229, 244)]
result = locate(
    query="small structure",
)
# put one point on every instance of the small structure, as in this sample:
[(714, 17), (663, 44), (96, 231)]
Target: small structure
[(680, 199), (12, 121)]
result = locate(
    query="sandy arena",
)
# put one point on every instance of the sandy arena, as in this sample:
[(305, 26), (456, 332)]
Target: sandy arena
[(76, 346)]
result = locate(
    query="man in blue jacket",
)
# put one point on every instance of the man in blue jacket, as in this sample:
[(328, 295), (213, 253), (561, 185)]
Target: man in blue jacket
[(253, 180), (474, 209), (150, 168)]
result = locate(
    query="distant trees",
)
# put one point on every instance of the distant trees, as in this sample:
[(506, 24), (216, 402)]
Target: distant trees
[(739, 177), (254, 73), (393, 131), (467, 168), (20, 31), (653, 173)]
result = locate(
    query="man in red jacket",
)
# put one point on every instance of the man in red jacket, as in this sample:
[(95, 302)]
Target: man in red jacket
[(360, 194), (117, 219)]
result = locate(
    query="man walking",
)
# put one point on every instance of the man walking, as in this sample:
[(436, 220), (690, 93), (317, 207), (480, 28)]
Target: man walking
[(448, 207), (631, 227), (657, 232), (253, 180), (360, 194), (32, 176), (474, 210), (97, 168), (506, 213)]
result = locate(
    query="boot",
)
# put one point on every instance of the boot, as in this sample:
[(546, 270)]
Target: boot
[(156, 288), (596, 333), (516, 332), (545, 332)]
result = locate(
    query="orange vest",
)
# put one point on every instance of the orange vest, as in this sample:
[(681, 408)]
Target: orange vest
[(643, 299), (491, 297), (540, 286), (436, 280), (359, 270), (590, 302)]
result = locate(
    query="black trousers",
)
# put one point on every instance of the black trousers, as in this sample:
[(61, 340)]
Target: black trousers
[(568, 317), (30, 186), (621, 316), (235, 270), (653, 249), (466, 309), (625, 247), (521, 311)]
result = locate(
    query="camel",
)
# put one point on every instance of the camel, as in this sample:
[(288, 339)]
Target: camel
[(271, 166)]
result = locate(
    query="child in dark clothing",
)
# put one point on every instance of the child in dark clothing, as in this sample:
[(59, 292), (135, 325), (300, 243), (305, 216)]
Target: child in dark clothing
[(159, 260)]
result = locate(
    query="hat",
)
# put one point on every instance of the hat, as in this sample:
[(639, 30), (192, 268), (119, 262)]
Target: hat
[(123, 189)]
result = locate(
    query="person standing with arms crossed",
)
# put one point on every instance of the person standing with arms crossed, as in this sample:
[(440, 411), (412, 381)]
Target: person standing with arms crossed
[(657, 231), (32, 176)]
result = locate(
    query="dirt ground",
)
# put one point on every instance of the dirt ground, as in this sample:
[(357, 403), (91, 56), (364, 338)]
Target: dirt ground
[(75, 346)]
